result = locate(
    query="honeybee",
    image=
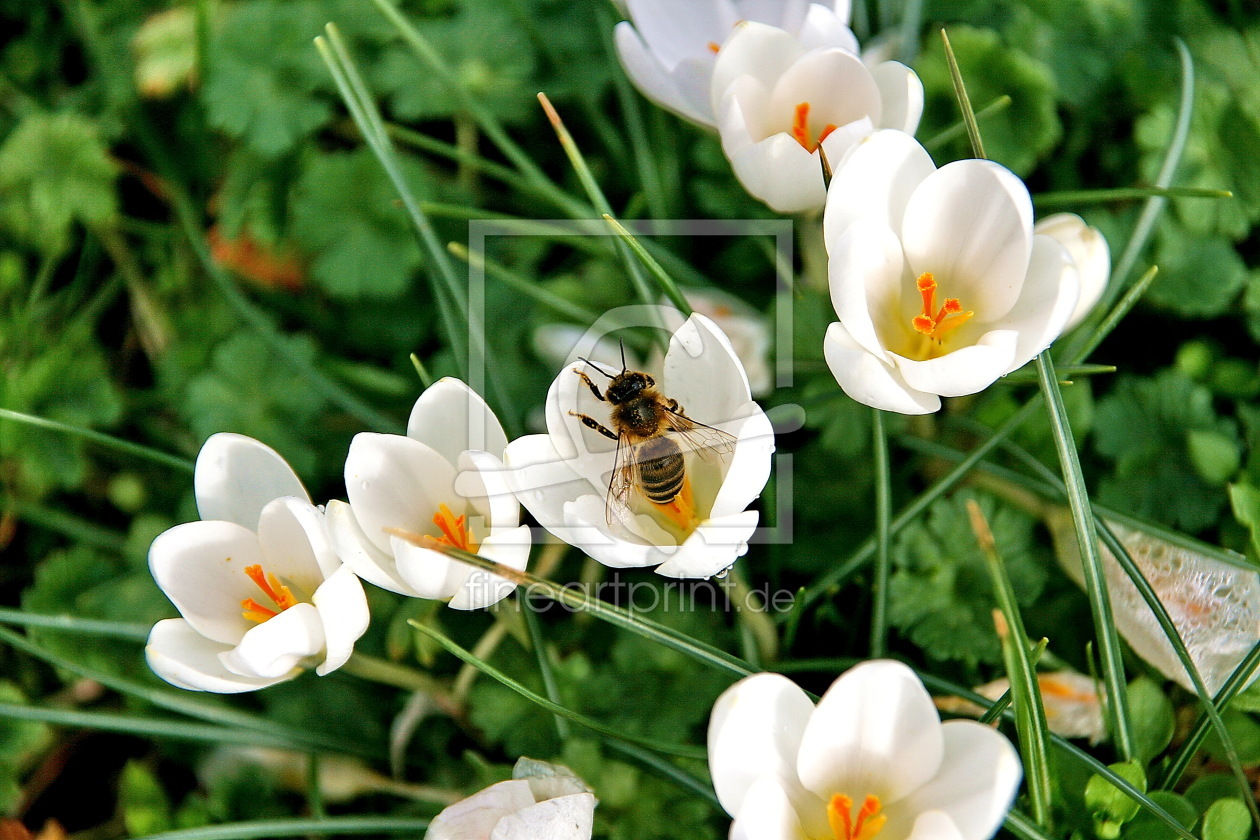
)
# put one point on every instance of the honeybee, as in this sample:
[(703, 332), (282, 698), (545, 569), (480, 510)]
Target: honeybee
[(649, 458)]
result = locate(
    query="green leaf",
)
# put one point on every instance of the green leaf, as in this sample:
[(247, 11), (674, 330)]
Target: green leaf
[(940, 594), (1019, 136), (1244, 499), (345, 213), (1146, 827), (20, 741), (55, 171), (1199, 276), (1110, 807), (1227, 819), (265, 75), (143, 802), (484, 46), (1152, 716), (1245, 733), (1143, 426)]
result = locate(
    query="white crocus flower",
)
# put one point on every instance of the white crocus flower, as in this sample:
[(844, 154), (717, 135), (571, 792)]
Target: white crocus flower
[(668, 48), (565, 477), (440, 485), (1088, 250), (260, 589), (542, 802), (940, 284), (872, 759), (782, 105)]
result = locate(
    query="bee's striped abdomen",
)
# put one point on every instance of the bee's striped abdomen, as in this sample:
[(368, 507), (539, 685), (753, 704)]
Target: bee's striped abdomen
[(661, 469)]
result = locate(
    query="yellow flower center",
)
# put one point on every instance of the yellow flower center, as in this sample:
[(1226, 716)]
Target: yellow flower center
[(276, 592), (935, 323), (868, 823), (454, 531), (800, 129)]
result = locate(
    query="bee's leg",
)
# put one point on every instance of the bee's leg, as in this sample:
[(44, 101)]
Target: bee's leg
[(592, 423), (591, 385), (672, 405)]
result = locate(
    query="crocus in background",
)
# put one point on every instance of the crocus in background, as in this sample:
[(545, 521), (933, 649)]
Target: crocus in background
[(540, 802), (440, 486), (937, 278), (261, 592), (1089, 252), (782, 106), (871, 759), (564, 476), (668, 47)]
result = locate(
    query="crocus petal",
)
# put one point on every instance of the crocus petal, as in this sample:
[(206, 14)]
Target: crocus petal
[(755, 731), (749, 468), (543, 480), (970, 224), (475, 817), (875, 182), (236, 476), (755, 50), (966, 370), (976, 782), (586, 526), (823, 28), (704, 374), (654, 80), (183, 657), (295, 545), (449, 417), (1089, 251), (865, 273), (879, 717), (785, 14), (870, 381), (361, 554), (1047, 303), (675, 31), (835, 83), (779, 171), (482, 480), (767, 813), (201, 566), (480, 588), (936, 825), (343, 611), (569, 817), (712, 547), (278, 645), (395, 482), (901, 93), (427, 572)]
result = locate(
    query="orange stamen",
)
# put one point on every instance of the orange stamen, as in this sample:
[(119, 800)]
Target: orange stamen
[(869, 820), (682, 509), (800, 129), (947, 319), (453, 531), (714, 48), (273, 589)]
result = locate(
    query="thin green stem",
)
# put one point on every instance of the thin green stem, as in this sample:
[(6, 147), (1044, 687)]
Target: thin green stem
[(74, 624), (959, 128), (263, 829), (145, 726), (1095, 582), (883, 514), (1073, 198), (544, 665), (659, 274), (136, 449), (964, 103)]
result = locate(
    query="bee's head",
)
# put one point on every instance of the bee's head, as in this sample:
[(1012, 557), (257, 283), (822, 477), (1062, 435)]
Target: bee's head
[(627, 385)]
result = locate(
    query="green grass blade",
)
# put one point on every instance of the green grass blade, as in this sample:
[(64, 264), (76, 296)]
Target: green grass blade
[(555, 708), (263, 829), (670, 771), (144, 726), (544, 664), (74, 624), (883, 561), (1030, 713), (1095, 583), (959, 128), (189, 703), (100, 438), (562, 306), (964, 102), (659, 274), (1072, 198)]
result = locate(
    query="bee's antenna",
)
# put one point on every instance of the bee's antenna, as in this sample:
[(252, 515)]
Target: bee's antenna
[(597, 367), (623, 354)]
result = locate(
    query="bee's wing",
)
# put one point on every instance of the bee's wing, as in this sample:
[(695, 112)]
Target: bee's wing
[(705, 440), (625, 477)]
